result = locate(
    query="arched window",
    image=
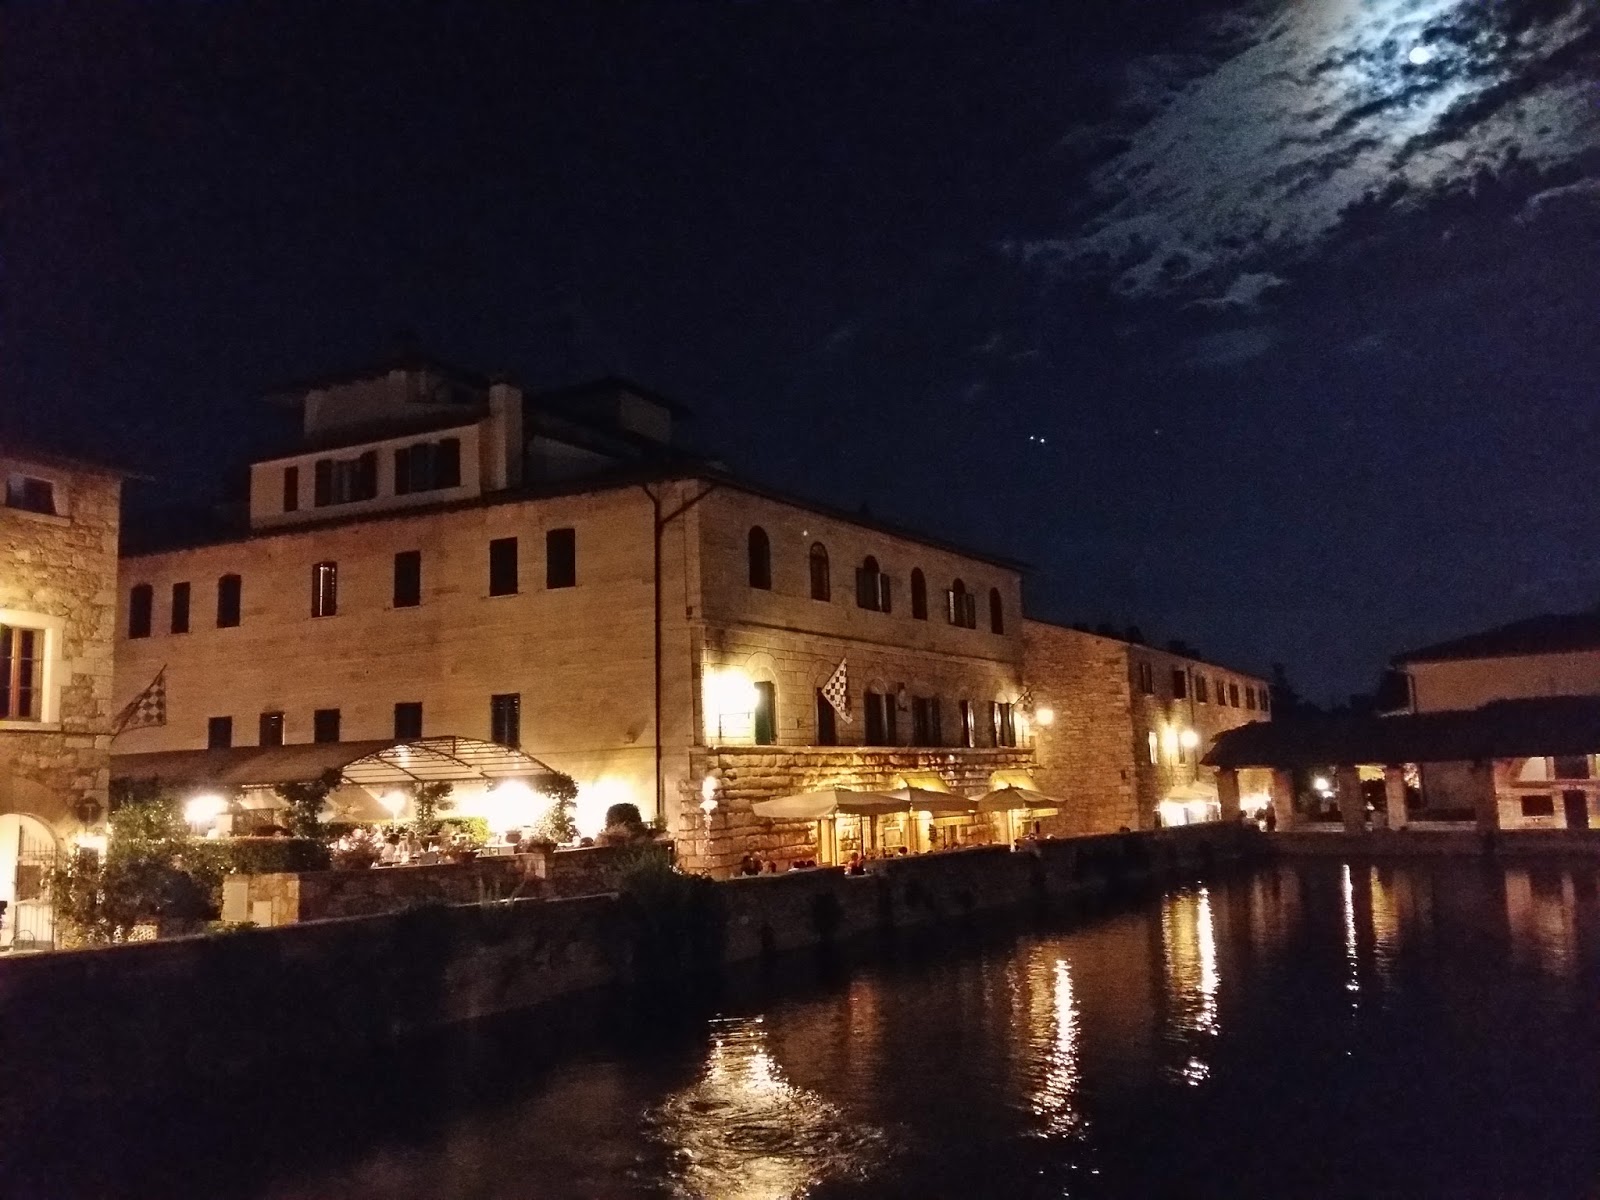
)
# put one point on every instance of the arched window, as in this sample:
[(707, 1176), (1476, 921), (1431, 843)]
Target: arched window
[(919, 594), (140, 601), (760, 558), (997, 612), (821, 584), (872, 586), (962, 606)]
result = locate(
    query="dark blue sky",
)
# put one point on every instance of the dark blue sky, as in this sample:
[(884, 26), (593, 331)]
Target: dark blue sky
[(1082, 283)]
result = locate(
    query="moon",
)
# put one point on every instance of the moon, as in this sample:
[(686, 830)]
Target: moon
[(1421, 56)]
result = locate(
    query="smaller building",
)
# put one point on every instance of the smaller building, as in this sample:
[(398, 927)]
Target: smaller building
[(1554, 654), (59, 524), (1122, 729), (1531, 763)]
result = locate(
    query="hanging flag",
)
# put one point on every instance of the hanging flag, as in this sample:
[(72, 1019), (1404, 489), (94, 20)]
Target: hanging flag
[(148, 708), (1025, 700), (837, 691)]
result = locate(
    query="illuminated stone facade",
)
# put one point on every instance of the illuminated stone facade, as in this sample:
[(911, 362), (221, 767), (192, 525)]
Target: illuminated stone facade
[(1130, 725), (744, 644)]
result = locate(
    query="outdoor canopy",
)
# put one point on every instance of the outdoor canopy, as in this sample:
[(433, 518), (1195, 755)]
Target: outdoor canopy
[(1007, 799), (832, 802), (940, 804)]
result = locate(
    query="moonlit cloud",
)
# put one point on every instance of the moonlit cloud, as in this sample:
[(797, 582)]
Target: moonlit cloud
[(1253, 161)]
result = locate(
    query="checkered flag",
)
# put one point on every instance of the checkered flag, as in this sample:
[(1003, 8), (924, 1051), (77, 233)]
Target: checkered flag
[(1025, 700), (837, 691), (148, 708)]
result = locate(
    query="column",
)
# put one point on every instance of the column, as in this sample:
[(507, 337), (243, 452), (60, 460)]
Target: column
[(1394, 794), (1283, 798), (1485, 804), (1347, 780), (1228, 794)]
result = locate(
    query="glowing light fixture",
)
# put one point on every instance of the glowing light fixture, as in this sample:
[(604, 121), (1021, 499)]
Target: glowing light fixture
[(1188, 739), (393, 802), (1045, 717), (1321, 784), (203, 809)]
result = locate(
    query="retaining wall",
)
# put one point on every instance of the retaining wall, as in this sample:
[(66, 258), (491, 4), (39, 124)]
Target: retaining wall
[(95, 1023)]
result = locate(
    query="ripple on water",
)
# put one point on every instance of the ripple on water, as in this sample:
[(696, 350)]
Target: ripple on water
[(742, 1131)]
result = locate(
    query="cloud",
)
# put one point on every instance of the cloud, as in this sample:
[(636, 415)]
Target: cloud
[(1253, 161), (1229, 347)]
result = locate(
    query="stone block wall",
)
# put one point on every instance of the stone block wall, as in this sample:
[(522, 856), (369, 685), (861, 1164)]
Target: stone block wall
[(749, 773), (58, 572), (284, 898)]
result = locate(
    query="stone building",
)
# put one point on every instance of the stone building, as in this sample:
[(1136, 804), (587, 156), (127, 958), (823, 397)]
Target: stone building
[(58, 568), (442, 554), (1128, 727)]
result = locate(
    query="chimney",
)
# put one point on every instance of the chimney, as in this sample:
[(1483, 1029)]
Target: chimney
[(502, 438)]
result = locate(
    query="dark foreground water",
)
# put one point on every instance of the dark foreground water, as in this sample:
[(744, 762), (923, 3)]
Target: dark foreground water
[(1306, 1030)]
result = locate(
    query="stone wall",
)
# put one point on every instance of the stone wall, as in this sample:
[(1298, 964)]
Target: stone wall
[(749, 773), (1098, 753), (282, 898), (218, 1006), (58, 573)]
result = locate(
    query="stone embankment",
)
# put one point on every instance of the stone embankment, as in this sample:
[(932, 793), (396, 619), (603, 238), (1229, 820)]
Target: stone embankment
[(97, 1022), (1418, 841)]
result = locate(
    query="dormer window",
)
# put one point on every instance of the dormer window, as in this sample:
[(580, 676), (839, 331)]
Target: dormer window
[(347, 480), (31, 494), (427, 466)]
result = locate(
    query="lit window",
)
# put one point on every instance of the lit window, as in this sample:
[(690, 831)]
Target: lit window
[(21, 673), (1155, 745), (325, 589)]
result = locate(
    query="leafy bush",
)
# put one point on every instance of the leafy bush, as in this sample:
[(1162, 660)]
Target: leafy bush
[(623, 825), (428, 801), (304, 803), (357, 850), (476, 829)]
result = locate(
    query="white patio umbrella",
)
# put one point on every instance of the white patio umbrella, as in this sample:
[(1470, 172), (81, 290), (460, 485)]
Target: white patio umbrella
[(830, 804), (1011, 799)]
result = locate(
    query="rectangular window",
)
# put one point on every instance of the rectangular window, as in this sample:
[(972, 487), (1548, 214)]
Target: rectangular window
[(405, 461), (427, 466), (1004, 719), (291, 489), (322, 483), (1540, 805), (346, 480), (503, 567), (21, 671), (180, 608), (505, 719), (230, 592), (141, 600), (325, 589), (925, 722), (827, 722), (219, 733), (1571, 766), (408, 579), (270, 732), (1155, 745), (31, 494), (1262, 700), (874, 706), (1180, 683), (447, 463), (1233, 695), (408, 720), (766, 714), (1147, 679), (325, 725), (968, 724), (561, 558), (1201, 688)]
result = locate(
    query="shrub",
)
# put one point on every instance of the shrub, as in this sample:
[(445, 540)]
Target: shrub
[(675, 921), (476, 829), (623, 825), (304, 803), (429, 800), (357, 850)]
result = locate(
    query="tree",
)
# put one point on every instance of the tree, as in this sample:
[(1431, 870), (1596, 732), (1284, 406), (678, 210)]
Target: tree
[(558, 824), (429, 800), (1286, 701), (304, 802)]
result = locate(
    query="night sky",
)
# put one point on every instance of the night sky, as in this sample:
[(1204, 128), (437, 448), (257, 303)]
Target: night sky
[(1269, 326)]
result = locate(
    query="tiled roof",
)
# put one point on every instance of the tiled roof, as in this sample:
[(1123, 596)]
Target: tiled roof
[(1544, 725), (1550, 633)]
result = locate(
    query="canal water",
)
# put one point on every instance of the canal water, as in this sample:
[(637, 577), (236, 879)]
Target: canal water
[(1313, 1029)]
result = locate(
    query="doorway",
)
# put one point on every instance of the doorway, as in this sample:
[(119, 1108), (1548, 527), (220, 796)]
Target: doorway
[(27, 852), (1576, 805)]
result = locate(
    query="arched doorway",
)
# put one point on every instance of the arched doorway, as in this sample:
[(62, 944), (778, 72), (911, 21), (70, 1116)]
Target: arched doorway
[(27, 852)]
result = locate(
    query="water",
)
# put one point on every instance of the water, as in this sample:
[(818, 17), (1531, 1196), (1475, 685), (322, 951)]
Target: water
[(1303, 1030)]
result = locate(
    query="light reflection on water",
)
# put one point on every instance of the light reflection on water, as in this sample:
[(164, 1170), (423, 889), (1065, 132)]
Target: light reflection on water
[(1413, 1006), (744, 1132)]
